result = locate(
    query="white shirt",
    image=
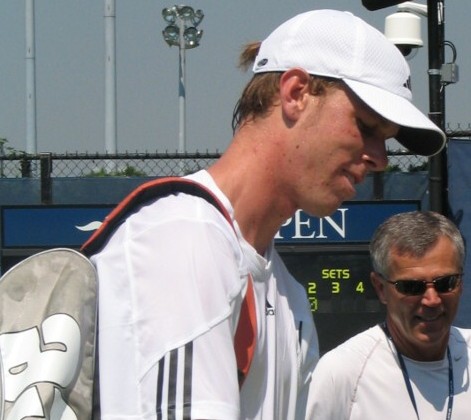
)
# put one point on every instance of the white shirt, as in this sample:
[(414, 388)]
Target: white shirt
[(361, 379), (171, 282)]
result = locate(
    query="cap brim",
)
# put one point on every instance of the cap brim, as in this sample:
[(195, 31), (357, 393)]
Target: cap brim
[(417, 132)]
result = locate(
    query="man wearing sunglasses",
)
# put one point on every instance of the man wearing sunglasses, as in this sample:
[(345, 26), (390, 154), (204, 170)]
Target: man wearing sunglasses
[(415, 365)]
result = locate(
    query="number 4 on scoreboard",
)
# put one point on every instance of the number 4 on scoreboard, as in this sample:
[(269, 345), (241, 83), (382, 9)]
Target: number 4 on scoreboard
[(360, 287)]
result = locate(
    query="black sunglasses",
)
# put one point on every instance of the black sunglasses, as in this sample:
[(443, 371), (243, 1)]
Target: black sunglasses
[(444, 284)]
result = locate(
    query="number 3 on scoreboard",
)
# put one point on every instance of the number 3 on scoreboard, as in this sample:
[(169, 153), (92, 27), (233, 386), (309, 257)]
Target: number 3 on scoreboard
[(335, 287), (314, 304)]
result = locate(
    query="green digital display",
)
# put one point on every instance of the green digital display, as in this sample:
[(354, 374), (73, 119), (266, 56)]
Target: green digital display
[(336, 280), (337, 283)]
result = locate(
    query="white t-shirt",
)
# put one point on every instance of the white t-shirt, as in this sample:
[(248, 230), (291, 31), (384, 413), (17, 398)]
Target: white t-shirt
[(362, 379), (171, 282)]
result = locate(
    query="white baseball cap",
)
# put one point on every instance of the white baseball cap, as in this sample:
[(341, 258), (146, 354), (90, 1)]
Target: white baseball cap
[(340, 45)]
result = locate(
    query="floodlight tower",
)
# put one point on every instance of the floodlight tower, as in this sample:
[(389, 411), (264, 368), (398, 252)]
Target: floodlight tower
[(31, 139), (182, 32)]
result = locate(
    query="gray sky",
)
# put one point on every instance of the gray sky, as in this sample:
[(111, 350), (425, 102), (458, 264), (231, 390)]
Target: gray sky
[(70, 70)]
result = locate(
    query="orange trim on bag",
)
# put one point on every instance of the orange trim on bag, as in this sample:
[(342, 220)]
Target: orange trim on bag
[(246, 334)]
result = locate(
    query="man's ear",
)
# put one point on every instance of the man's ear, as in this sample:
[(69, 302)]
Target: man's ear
[(294, 92), (379, 286)]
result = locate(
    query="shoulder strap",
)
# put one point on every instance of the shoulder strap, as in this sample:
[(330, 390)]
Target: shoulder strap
[(142, 195), (246, 333)]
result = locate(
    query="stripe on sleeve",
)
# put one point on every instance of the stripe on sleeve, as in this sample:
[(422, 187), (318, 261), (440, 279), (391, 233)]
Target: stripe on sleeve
[(174, 384)]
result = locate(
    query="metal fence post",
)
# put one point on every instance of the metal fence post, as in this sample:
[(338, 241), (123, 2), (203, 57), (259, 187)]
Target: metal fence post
[(25, 165), (45, 160), (378, 185)]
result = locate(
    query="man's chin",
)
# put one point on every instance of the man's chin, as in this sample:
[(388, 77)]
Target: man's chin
[(322, 212)]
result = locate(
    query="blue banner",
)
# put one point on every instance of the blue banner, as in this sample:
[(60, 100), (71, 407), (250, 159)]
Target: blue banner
[(55, 226), (353, 222), (49, 226), (459, 199)]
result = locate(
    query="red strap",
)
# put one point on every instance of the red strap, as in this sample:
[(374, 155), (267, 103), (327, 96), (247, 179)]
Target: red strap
[(246, 333), (142, 195)]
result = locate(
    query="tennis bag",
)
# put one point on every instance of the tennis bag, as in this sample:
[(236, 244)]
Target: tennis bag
[(48, 320)]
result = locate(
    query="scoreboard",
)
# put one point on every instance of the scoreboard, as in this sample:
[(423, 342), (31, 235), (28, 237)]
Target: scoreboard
[(336, 280), (330, 258)]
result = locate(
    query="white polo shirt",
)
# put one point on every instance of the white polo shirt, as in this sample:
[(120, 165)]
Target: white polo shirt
[(362, 380), (171, 282)]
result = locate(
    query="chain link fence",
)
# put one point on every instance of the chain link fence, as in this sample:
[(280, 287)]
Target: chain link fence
[(142, 165), (50, 165), (99, 165)]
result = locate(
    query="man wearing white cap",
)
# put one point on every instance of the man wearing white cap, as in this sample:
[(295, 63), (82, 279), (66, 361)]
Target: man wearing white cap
[(327, 92)]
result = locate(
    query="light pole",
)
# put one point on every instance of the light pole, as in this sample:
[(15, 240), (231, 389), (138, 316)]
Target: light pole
[(31, 139), (182, 32), (111, 145), (440, 75), (436, 53)]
